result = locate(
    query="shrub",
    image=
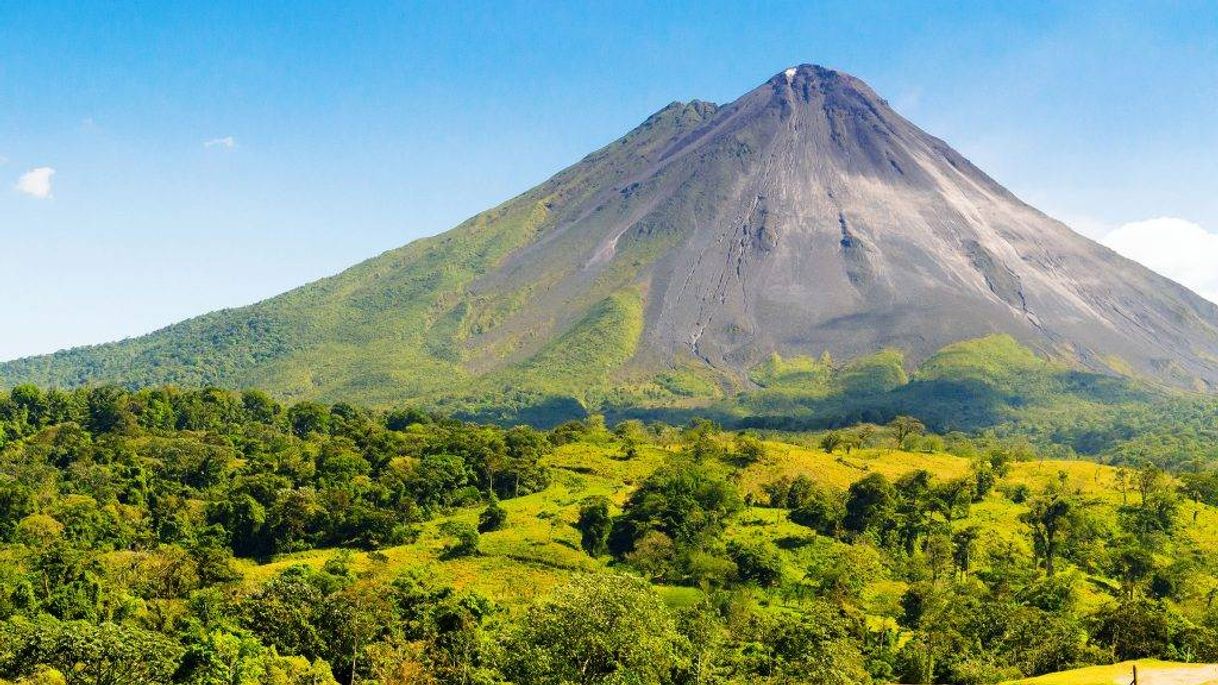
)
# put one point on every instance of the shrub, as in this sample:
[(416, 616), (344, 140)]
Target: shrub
[(594, 525), (756, 562), (464, 541), (493, 517)]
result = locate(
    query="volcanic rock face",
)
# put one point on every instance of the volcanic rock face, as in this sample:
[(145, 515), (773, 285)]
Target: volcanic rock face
[(807, 216)]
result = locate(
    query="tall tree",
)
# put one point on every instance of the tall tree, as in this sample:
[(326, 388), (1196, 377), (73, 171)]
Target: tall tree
[(1047, 516)]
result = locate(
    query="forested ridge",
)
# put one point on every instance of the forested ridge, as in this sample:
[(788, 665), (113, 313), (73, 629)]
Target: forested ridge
[(207, 536)]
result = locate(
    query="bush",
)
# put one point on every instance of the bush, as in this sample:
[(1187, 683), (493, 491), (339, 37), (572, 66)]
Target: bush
[(758, 563), (493, 517), (594, 525), (820, 511), (464, 541), (1137, 629), (653, 555), (1017, 493), (597, 629)]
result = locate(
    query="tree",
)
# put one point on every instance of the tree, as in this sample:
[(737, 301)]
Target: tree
[(1132, 564), (757, 562), (811, 647), (493, 517), (401, 418), (29, 407), (520, 473), (307, 418), (1153, 519), (820, 510), (86, 654), (831, 441), (984, 479), (350, 620), (686, 501), (940, 553), (914, 503), (43, 676), (750, 449), (1136, 628), (260, 407), (704, 445), (869, 505), (108, 410), (1048, 515), (863, 435), (790, 493), (221, 657), (1201, 486), (904, 427), (952, 498), (842, 572), (1122, 484), (594, 525), (16, 503), (597, 629), (285, 612), (436, 477), (964, 541), (654, 555), (245, 520)]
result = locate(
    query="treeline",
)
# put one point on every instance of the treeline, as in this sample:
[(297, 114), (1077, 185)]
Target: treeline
[(213, 470)]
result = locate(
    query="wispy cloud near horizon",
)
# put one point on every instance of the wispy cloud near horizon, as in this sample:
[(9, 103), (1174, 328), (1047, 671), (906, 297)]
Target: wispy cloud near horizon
[(227, 142)]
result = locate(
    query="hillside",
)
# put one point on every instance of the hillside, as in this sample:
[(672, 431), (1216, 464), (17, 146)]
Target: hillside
[(199, 537), (671, 267)]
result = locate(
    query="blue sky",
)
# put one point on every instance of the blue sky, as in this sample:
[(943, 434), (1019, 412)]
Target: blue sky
[(163, 159)]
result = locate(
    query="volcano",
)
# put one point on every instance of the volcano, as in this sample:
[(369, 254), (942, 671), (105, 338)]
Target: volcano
[(807, 217)]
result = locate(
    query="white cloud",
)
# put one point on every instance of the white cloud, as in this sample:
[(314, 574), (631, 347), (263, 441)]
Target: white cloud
[(225, 142), (1176, 248), (36, 182)]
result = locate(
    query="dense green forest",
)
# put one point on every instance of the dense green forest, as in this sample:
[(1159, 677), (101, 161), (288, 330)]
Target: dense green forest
[(207, 536)]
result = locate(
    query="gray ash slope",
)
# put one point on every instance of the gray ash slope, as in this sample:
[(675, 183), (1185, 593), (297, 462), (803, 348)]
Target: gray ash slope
[(807, 216), (835, 224)]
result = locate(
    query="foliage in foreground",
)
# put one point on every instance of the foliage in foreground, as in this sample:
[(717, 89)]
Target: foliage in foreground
[(214, 537)]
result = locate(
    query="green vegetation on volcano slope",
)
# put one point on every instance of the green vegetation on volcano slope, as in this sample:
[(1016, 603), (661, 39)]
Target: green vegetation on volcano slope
[(382, 330), (205, 536), (500, 297), (987, 385), (990, 384)]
